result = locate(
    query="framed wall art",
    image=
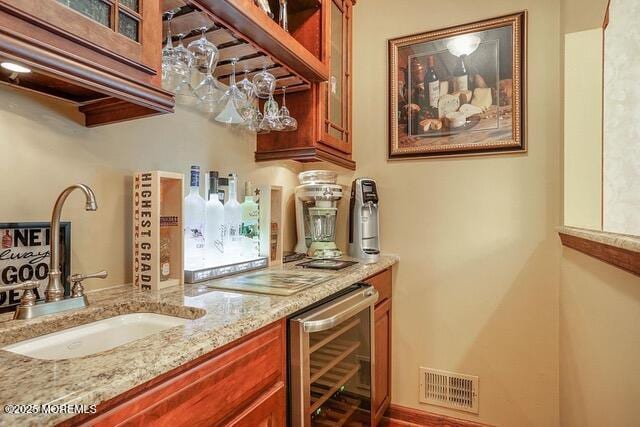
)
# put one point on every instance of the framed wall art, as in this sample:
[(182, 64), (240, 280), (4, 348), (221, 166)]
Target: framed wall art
[(459, 90), (24, 255)]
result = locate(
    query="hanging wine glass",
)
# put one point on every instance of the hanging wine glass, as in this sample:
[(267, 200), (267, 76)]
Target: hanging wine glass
[(168, 56), (271, 119), (288, 123), (183, 62), (234, 101), (265, 83), (209, 91), (204, 52), (246, 86)]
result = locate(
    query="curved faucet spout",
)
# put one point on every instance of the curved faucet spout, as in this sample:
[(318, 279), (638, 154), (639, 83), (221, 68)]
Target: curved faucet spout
[(55, 289)]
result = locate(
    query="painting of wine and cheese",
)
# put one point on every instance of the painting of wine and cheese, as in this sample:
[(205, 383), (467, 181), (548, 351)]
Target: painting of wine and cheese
[(459, 90)]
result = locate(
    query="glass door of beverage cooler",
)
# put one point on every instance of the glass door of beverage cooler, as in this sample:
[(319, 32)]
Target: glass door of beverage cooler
[(331, 362)]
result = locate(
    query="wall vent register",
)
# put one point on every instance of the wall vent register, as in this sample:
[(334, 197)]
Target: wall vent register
[(449, 389)]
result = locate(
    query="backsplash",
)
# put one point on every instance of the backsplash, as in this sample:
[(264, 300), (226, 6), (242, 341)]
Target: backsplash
[(45, 149)]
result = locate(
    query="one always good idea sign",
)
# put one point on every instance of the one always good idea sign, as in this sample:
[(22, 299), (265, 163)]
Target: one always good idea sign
[(24, 255)]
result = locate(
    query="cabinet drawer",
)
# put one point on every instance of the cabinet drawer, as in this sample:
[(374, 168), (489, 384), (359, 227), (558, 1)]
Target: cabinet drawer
[(382, 283), (267, 411), (211, 391)]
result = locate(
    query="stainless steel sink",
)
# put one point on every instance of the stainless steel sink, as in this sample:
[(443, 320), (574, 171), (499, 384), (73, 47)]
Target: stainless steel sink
[(95, 337)]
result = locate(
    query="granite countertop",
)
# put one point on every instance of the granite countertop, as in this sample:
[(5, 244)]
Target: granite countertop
[(216, 318)]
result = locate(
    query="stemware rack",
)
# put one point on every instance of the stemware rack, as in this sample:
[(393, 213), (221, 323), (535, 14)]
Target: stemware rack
[(231, 43)]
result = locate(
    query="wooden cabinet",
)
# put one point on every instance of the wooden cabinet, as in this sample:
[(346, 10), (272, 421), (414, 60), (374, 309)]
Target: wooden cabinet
[(102, 55), (242, 384), (323, 112), (382, 319)]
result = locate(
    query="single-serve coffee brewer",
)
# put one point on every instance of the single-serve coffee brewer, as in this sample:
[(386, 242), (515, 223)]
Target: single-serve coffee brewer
[(363, 221)]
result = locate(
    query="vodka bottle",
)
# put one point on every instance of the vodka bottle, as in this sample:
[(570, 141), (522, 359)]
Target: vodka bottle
[(214, 227), (250, 222), (194, 220), (232, 221)]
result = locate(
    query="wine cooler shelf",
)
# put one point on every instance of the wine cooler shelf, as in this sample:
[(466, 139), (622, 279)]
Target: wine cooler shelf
[(331, 383), (337, 412), (319, 339)]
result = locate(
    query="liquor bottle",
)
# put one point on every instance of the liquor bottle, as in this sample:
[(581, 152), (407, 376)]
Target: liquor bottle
[(460, 76), (232, 220), (432, 82), (250, 229), (194, 220), (214, 227)]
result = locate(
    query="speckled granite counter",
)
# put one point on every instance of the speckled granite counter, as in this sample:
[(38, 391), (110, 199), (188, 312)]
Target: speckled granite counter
[(218, 318)]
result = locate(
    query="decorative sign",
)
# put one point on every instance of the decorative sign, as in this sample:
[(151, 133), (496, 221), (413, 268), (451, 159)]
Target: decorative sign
[(157, 230), (24, 255)]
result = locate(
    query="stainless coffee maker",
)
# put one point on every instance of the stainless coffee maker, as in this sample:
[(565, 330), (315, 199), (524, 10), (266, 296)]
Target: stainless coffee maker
[(316, 200), (363, 221)]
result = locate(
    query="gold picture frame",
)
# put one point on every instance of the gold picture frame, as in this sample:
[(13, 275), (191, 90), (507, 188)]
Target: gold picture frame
[(459, 91)]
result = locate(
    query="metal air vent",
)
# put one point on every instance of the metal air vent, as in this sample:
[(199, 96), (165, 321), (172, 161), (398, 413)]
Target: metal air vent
[(449, 389)]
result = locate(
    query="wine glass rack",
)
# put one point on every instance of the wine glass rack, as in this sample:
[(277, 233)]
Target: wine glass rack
[(191, 15)]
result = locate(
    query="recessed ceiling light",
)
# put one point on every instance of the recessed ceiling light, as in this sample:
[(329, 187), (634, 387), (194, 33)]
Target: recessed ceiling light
[(16, 68)]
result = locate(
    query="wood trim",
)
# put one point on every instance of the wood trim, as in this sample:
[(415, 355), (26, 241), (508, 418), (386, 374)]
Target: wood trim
[(59, 64), (305, 154), (618, 257), (398, 416), (113, 110)]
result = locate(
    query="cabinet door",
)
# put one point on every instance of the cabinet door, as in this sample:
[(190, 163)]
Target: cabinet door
[(336, 93), (267, 411), (382, 377), (115, 29)]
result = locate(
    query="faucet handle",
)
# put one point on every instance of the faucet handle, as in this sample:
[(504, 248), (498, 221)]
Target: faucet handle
[(76, 280)]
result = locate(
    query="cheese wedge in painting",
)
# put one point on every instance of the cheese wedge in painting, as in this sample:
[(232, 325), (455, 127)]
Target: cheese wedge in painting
[(482, 97), (447, 104), (469, 110)]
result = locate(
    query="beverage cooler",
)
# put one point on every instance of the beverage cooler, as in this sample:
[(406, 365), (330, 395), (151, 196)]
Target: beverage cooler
[(331, 361)]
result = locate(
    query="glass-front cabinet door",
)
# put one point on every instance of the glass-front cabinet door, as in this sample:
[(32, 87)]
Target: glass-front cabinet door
[(336, 93), (127, 31)]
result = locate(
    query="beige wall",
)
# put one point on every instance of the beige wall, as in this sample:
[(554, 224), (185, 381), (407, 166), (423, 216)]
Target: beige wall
[(43, 150), (599, 343), (477, 285), (599, 304), (583, 129)]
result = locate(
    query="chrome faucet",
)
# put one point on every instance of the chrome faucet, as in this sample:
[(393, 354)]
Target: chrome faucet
[(55, 300), (55, 289)]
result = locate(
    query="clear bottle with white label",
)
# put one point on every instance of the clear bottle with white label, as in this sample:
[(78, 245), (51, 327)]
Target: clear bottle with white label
[(214, 227), (232, 221), (250, 229), (194, 222)]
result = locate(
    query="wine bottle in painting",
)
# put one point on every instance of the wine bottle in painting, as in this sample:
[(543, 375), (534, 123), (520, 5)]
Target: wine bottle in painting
[(460, 76), (432, 82)]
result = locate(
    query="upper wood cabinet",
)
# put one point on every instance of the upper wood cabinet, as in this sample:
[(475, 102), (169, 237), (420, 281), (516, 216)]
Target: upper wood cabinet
[(323, 112), (103, 55), (336, 93)]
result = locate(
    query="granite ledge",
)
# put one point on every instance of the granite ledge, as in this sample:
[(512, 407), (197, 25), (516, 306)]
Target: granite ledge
[(620, 250)]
